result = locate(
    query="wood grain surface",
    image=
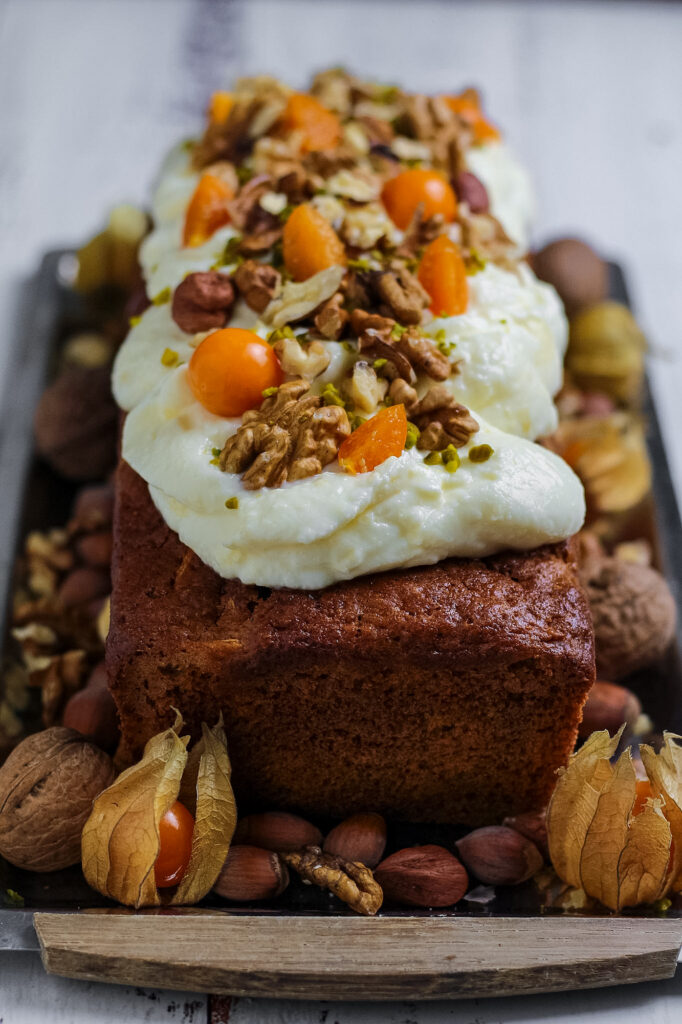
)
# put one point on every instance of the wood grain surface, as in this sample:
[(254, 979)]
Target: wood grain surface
[(358, 958)]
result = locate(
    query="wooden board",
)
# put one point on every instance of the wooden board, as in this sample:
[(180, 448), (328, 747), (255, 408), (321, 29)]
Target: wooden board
[(358, 958)]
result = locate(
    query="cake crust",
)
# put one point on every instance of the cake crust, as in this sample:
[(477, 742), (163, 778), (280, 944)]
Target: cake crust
[(442, 693)]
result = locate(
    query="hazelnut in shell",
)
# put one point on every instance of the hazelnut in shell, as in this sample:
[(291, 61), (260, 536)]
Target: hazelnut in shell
[(76, 423), (92, 711), (579, 275), (47, 786)]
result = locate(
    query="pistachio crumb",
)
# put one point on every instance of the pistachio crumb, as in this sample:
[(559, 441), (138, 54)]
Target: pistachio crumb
[(134, 320), (378, 363), (162, 298), (332, 396), (434, 459), (270, 391), (412, 435), (232, 503), (451, 459), (169, 357), (480, 453)]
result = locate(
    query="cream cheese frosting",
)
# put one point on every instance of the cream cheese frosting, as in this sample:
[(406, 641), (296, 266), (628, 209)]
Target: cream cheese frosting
[(507, 354)]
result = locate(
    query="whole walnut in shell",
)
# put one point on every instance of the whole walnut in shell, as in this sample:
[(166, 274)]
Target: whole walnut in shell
[(633, 613), (47, 786)]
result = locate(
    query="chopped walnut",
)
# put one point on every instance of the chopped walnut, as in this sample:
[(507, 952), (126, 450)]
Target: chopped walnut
[(482, 235), (358, 185), (351, 881), (258, 104), (202, 301), (401, 291), (331, 208), (375, 339), (402, 393), (245, 209), (364, 388), (442, 420), (325, 162), (333, 89), (292, 436), (430, 120), (260, 240), (275, 157), (299, 361), (363, 226), (332, 318), (419, 232), (379, 131), (258, 284), (410, 149), (299, 298), (424, 355)]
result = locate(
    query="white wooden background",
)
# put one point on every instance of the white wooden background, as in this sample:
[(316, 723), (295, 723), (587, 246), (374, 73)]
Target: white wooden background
[(93, 91)]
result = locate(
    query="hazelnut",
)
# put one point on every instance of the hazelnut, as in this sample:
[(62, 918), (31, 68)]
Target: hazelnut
[(47, 785), (76, 423), (95, 549), (533, 826), (579, 275), (202, 301), (472, 191), (498, 855), (277, 830), (362, 837), (422, 876), (93, 508), (92, 711), (82, 586), (251, 873), (609, 706)]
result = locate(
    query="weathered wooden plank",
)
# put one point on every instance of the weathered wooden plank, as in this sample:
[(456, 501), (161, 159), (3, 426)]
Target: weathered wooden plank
[(356, 958)]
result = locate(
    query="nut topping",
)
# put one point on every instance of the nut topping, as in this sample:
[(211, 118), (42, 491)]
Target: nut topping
[(203, 302), (291, 436), (352, 882), (403, 294), (258, 284), (297, 361), (332, 318), (442, 420)]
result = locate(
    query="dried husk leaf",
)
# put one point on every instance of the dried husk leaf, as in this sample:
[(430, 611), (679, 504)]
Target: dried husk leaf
[(120, 841), (643, 865), (574, 803), (665, 775), (606, 835), (215, 813)]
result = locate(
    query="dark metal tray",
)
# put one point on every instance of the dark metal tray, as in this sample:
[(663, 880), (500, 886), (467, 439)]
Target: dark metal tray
[(34, 497)]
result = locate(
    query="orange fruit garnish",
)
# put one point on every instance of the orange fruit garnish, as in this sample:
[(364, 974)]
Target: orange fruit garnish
[(319, 127), (644, 793), (375, 440), (219, 107), (175, 845), (310, 244), (468, 106), (403, 194), (207, 210), (442, 272), (230, 370)]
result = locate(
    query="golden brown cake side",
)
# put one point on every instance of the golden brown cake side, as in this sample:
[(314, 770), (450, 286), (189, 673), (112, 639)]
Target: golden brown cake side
[(442, 693)]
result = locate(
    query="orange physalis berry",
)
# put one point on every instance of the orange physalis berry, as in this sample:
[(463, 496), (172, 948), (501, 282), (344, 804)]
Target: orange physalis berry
[(468, 106), (230, 370), (403, 194), (375, 440), (219, 107), (442, 272), (643, 792), (175, 845), (310, 244), (319, 128), (207, 210)]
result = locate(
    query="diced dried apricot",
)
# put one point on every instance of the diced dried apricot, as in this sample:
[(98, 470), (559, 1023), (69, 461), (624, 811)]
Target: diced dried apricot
[(403, 194), (319, 128), (310, 244), (207, 210), (468, 105), (375, 440), (219, 107), (442, 272)]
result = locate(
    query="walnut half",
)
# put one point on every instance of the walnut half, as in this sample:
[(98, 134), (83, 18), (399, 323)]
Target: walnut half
[(292, 436)]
